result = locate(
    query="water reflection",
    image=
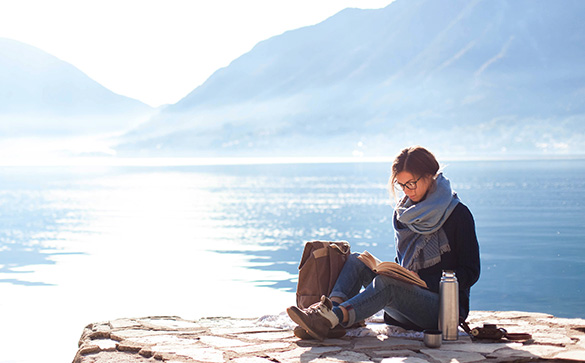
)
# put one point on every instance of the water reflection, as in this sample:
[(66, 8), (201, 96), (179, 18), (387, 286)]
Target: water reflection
[(530, 220), (282, 207), (30, 220)]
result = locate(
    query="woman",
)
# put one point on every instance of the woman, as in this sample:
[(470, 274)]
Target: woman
[(434, 231)]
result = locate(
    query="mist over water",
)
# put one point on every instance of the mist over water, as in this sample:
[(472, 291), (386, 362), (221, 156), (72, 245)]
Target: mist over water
[(79, 245)]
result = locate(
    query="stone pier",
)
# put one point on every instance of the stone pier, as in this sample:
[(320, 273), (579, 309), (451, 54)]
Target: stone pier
[(270, 339)]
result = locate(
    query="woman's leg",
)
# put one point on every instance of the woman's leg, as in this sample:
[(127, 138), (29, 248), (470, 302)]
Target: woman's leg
[(353, 276), (400, 299)]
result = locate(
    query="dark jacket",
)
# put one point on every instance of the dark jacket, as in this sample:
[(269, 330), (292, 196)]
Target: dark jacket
[(463, 258)]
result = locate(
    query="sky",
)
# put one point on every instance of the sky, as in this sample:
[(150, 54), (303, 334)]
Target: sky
[(158, 51)]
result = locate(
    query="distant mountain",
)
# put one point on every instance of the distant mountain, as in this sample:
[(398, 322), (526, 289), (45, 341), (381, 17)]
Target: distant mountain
[(463, 77), (43, 95)]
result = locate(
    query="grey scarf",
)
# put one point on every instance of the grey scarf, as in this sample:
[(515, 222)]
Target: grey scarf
[(420, 239)]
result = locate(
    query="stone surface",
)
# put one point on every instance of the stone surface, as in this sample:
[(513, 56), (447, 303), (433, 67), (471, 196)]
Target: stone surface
[(270, 339)]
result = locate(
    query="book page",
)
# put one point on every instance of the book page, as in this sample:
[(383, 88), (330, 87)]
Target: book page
[(390, 269)]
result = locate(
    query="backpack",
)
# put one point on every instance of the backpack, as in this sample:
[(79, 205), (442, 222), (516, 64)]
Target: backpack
[(320, 266)]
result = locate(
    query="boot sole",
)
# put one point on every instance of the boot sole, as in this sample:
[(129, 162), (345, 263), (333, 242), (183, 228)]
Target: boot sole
[(295, 315)]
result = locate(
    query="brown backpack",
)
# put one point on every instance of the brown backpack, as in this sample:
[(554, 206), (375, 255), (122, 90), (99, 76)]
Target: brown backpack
[(318, 271)]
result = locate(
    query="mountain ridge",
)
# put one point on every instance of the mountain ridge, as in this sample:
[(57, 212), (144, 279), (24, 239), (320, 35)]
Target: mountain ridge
[(466, 78), (480, 77), (40, 94)]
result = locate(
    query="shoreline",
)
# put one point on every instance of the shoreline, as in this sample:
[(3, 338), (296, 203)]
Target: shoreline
[(113, 161), (270, 339)]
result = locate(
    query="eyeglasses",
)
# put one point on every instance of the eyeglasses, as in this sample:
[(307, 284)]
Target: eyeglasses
[(411, 185)]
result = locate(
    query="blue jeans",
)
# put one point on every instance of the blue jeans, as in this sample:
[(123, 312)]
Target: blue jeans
[(406, 303)]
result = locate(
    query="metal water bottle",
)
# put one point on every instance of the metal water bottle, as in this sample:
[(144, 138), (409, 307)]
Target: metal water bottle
[(449, 306)]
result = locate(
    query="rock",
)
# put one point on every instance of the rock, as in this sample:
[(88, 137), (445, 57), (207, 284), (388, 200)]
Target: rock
[(217, 340)]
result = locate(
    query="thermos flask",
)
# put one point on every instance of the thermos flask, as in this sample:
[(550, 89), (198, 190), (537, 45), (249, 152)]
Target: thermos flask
[(449, 305)]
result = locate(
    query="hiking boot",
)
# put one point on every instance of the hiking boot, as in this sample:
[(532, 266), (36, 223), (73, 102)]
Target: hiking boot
[(317, 319), (334, 333)]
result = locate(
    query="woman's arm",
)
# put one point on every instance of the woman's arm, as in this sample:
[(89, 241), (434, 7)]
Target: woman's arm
[(467, 247)]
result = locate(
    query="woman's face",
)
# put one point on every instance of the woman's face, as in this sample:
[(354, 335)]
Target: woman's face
[(418, 186)]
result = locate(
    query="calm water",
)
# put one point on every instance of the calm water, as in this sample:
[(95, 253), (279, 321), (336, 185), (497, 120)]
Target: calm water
[(82, 245)]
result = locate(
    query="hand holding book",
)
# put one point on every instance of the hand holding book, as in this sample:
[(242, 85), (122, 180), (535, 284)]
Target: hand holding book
[(391, 269)]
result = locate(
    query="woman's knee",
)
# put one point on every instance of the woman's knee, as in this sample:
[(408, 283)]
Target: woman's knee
[(383, 282), (388, 286), (353, 258)]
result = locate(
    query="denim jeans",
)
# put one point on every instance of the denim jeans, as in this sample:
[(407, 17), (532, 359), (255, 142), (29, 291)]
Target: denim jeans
[(407, 303)]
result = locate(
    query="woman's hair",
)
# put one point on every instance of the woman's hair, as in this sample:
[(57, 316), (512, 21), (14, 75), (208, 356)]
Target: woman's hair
[(416, 160)]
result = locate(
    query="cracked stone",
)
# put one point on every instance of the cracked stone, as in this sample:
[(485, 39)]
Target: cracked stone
[(572, 355), (394, 353), (128, 347), (169, 324), (387, 343), (260, 347), (216, 340), (201, 354), (251, 360), (124, 323), (132, 334), (277, 335), (345, 356), (541, 351), (105, 344), (163, 339), (404, 360), (477, 347), (88, 349), (303, 354), (447, 356), (219, 342)]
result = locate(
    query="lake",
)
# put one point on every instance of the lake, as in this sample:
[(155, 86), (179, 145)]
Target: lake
[(86, 244)]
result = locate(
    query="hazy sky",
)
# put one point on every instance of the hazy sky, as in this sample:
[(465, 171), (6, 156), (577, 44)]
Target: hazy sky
[(157, 51)]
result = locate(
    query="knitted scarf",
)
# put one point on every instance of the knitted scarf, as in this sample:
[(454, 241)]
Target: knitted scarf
[(420, 239)]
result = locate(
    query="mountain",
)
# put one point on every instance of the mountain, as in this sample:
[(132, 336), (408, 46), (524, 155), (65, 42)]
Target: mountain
[(42, 95), (480, 77)]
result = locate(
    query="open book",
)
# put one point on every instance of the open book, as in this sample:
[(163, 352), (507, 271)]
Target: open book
[(390, 269)]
